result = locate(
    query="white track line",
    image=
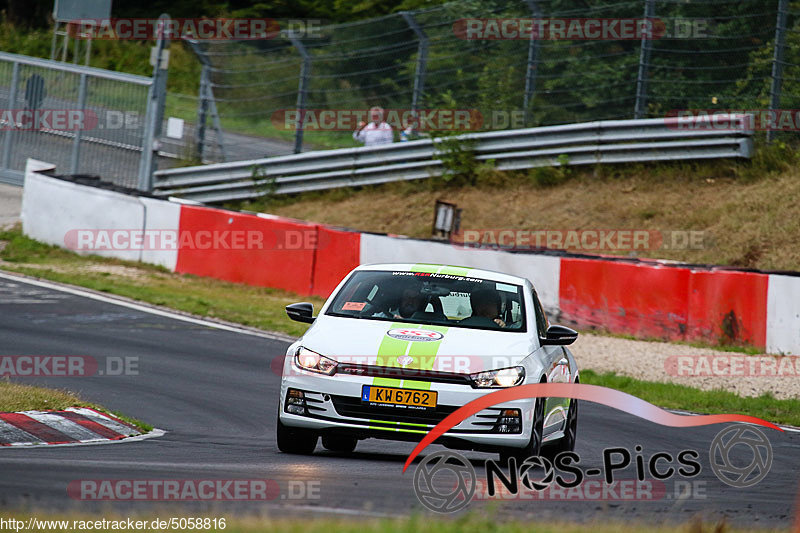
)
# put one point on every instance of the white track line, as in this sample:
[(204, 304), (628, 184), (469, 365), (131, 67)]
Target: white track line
[(26, 446), (144, 308)]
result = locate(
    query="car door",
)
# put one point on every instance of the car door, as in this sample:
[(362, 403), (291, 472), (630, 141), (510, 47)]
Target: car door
[(557, 369)]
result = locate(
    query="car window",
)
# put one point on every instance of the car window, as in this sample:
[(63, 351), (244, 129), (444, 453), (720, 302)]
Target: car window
[(435, 299), (541, 318)]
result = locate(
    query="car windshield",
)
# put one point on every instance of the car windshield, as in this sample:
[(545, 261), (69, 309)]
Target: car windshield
[(433, 299)]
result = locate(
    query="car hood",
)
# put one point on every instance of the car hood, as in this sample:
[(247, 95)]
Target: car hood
[(396, 344)]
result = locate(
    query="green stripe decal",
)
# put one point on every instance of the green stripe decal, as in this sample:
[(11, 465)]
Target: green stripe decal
[(454, 271), (388, 352), (424, 267), (423, 353), (402, 430), (440, 269)]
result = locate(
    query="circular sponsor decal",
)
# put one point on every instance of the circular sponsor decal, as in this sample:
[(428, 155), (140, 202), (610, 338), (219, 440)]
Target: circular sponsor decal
[(419, 335)]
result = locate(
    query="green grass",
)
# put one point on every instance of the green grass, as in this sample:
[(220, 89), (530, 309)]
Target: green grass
[(468, 523), (18, 397), (252, 306), (264, 308), (672, 396)]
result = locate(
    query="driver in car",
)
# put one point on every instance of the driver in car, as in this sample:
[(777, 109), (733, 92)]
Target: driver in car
[(409, 303)]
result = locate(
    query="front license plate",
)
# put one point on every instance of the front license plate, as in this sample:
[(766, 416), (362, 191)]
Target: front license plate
[(418, 399)]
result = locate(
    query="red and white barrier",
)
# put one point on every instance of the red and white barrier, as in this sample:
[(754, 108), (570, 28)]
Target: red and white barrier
[(783, 314), (644, 299), (75, 425)]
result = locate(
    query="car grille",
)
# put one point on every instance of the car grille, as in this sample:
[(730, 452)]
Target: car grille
[(404, 373), (354, 408)]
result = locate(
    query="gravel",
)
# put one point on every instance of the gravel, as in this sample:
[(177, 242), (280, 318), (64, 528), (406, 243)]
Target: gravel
[(702, 368)]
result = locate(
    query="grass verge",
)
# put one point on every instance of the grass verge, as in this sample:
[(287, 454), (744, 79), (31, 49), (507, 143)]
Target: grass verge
[(252, 306), (672, 396), (264, 308), (467, 523), (19, 397)]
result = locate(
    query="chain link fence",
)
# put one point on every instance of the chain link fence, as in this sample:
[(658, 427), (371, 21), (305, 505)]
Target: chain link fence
[(701, 55), (712, 55), (83, 120)]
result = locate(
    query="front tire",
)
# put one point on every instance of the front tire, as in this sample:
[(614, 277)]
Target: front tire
[(567, 442), (296, 441), (534, 446), (339, 443)]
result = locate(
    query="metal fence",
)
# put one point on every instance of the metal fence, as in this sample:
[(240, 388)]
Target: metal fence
[(84, 120), (720, 54), (574, 144)]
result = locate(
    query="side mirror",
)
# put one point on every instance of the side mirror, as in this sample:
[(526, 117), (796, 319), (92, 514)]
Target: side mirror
[(301, 312), (559, 336)]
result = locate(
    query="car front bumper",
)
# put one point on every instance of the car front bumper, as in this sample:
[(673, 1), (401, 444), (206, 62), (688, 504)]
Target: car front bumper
[(334, 405)]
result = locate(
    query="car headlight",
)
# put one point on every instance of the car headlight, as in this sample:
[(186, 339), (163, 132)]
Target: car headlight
[(314, 362), (503, 377)]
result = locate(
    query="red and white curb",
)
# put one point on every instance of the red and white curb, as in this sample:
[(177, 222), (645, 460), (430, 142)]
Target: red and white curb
[(74, 425)]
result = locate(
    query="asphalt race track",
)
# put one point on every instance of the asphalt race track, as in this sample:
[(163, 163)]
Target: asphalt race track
[(214, 393)]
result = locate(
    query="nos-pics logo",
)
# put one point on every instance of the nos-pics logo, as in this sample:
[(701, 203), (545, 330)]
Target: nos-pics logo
[(446, 481)]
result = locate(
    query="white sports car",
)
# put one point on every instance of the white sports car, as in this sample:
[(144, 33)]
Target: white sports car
[(398, 347)]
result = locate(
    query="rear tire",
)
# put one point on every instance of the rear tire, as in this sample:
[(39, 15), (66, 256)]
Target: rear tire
[(534, 446), (339, 443), (298, 441)]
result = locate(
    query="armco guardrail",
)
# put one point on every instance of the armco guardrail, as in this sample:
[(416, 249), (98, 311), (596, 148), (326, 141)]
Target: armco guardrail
[(618, 141)]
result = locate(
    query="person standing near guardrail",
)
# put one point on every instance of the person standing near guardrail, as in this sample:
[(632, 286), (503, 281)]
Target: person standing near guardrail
[(376, 131)]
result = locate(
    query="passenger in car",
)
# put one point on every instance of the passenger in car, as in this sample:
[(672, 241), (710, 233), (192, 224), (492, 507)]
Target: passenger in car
[(485, 309)]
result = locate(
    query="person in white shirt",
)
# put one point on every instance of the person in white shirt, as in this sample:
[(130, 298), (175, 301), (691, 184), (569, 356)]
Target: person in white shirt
[(376, 131)]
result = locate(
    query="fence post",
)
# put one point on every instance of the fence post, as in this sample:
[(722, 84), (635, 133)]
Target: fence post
[(422, 61), (76, 141), (156, 98), (644, 60), (205, 100), (5, 161), (533, 63), (202, 110), (777, 63), (302, 90)]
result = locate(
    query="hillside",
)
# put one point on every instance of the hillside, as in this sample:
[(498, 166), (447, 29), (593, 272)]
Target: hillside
[(748, 213)]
